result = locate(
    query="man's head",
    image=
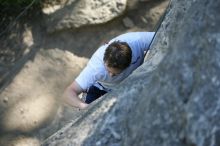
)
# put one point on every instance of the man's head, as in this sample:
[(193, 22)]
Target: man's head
[(117, 57)]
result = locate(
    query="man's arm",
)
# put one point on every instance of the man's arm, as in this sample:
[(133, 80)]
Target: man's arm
[(71, 98)]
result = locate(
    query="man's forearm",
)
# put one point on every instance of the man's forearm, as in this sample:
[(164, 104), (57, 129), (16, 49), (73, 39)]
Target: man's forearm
[(72, 99)]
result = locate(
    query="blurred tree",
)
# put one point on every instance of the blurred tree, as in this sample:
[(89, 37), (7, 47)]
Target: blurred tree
[(18, 2)]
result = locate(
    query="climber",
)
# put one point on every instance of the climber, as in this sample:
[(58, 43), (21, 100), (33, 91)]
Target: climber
[(109, 65)]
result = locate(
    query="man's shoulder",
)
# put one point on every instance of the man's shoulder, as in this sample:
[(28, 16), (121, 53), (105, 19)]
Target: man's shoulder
[(133, 35), (99, 53), (96, 63)]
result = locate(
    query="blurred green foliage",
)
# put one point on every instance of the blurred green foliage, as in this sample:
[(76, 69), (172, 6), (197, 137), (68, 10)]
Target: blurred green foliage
[(18, 2)]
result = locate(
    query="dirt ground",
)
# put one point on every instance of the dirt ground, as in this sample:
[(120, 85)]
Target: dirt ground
[(24, 54)]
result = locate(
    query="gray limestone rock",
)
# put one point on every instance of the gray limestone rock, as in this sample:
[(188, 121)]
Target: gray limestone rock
[(84, 12), (128, 22)]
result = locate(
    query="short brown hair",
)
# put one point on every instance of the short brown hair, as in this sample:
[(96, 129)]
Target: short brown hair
[(118, 55)]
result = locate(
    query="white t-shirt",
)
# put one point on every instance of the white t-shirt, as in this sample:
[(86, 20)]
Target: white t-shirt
[(95, 71)]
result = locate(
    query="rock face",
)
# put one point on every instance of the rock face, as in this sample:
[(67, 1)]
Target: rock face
[(85, 12), (173, 99)]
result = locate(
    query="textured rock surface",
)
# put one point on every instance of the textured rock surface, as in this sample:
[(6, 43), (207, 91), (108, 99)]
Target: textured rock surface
[(173, 99), (85, 12)]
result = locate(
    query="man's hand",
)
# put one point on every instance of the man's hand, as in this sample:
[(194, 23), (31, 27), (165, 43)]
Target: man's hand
[(71, 98), (83, 105)]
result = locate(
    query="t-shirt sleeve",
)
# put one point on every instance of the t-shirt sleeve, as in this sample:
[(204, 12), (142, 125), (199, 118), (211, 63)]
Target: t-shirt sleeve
[(86, 78), (92, 72)]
